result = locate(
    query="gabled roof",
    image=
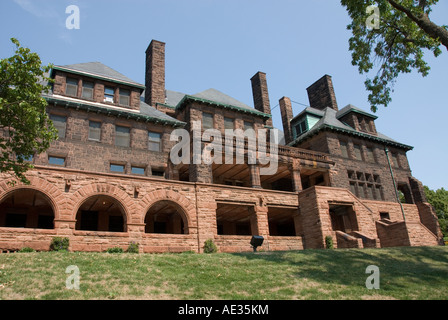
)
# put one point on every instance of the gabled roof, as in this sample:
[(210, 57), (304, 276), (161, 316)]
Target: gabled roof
[(100, 71), (330, 121), (222, 98), (351, 108)]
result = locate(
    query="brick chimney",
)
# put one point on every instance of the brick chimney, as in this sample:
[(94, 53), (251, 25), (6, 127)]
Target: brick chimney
[(261, 95), (321, 94), (155, 73), (286, 113)]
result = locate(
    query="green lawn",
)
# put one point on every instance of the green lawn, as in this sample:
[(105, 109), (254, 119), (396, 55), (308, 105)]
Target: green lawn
[(405, 273)]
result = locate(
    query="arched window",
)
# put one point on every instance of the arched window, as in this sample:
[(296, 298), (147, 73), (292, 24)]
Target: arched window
[(166, 217), (101, 213), (26, 208)]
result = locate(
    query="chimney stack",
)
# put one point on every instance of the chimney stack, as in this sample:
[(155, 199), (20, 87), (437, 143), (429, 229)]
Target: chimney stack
[(286, 113), (261, 95), (321, 94), (155, 73)]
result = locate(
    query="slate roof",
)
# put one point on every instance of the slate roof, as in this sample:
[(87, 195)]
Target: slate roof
[(330, 120), (97, 69)]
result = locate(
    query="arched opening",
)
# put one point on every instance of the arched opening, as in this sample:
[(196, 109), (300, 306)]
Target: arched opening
[(101, 213), (26, 208), (166, 217)]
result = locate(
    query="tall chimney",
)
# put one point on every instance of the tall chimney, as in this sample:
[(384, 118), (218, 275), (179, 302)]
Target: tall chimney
[(155, 73), (321, 94), (286, 113), (261, 95)]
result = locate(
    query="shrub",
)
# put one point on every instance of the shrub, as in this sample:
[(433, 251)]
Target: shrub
[(115, 250), (26, 249), (59, 244), (329, 242), (210, 246), (133, 248)]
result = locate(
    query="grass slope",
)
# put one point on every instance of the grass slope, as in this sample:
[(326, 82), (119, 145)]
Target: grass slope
[(405, 273)]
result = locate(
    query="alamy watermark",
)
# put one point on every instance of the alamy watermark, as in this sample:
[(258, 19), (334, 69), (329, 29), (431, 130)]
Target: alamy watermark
[(211, 147), (373, 281), (73, 21), (72, 281), (373, 20)]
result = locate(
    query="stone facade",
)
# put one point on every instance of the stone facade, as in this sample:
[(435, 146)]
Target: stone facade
[(109, 180)]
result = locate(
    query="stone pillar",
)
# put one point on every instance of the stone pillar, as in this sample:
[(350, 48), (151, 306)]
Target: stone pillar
[(296, 179), (254, 172), (259, 221)]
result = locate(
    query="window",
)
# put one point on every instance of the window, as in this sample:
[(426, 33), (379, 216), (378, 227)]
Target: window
[(384, 215), (117, 168), (207, 121), (344, 150), (229, 123), (122, 136), (109, 94), (94, 130), (394, 160), (138, 170), (301, 127), (365, 185), (370, 155), (87, 90), (60, 123), (125, 97), (56, 161), (154, 141), (158, 173), (71, 88), (358, 153), (248, 125)]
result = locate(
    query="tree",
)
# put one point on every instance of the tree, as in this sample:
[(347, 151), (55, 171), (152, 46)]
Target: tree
[(439, 200), (395, 45), (25, 129)]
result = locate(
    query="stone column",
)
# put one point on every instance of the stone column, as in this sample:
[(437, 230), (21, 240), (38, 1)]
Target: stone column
[(254, 172), (296, 179)]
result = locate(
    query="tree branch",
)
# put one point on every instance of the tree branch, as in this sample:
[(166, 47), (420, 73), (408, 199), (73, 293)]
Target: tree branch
[(433, 30)]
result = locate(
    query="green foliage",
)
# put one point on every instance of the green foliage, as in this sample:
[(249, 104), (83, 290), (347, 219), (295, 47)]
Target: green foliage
[(133, 248), (396, 46), (210, 246), (59, 244), (26, 250), (439, 200), (329, 242), (115, 250), (24, 122)]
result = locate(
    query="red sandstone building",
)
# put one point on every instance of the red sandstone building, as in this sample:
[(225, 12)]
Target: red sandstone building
[(109, 181)]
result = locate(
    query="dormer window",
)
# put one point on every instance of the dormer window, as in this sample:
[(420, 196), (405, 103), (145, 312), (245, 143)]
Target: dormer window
[(125, 97), (109, 94), (301, 127), (71, 88), (87, 90)]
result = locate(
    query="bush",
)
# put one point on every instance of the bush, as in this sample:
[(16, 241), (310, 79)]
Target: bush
[(59, 244), (26, 249), (115, 250), (133, 248), (210, 246), (329, 242)]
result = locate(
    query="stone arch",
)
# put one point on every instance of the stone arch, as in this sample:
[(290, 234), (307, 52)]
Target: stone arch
[(102, 189), (186, 208), (54, 196)]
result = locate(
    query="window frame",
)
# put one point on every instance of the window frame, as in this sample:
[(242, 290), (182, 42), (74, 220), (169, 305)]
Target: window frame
[(152, 141), (63, 132), (108, 95), (86, 89), (57, 164), (211, 118), (117, 132), (121, 95), (72, 86), (90, 127)]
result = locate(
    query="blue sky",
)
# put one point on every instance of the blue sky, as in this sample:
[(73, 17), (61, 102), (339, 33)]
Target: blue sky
[(221, 44)]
